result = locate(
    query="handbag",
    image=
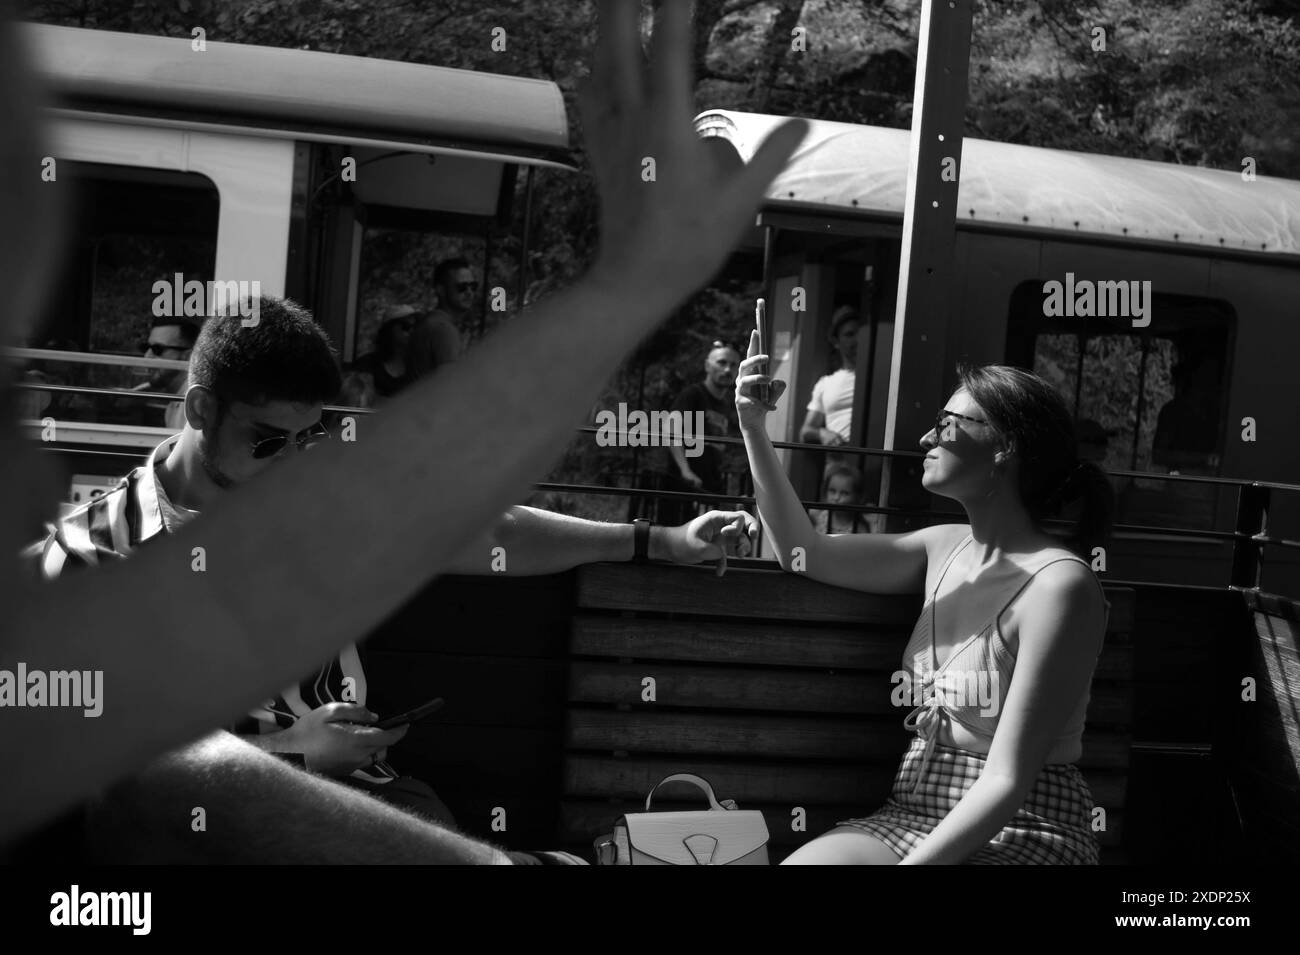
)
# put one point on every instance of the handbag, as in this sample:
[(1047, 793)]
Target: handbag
[(719, 835)]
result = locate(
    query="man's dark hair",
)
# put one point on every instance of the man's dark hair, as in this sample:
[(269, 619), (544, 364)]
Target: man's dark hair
[(284, 357), (447, 266), (189, 329)]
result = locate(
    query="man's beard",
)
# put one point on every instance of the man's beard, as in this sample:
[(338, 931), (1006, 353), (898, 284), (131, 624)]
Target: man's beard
[(214, 473)]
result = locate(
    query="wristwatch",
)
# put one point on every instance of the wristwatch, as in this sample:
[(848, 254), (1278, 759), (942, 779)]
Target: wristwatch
[(641, 541)]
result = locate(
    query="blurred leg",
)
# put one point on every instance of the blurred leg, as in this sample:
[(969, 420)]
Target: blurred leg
[(258, 809)]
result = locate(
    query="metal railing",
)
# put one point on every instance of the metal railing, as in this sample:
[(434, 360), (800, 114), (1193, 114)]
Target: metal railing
[(1249, 536)]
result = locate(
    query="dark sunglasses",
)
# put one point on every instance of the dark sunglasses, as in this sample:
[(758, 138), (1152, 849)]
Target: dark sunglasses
[(270, 447), (941, 424), (466, 286), (153, 348)]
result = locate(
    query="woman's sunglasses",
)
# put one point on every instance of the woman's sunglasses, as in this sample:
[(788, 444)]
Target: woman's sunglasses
[(946, 429)]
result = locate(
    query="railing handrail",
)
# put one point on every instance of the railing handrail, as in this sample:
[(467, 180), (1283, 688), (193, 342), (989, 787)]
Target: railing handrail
[(94, 358), (845, 449), (851, 449), (154, 395)]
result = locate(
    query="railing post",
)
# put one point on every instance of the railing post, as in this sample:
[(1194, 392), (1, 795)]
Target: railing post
[(1252, 520)]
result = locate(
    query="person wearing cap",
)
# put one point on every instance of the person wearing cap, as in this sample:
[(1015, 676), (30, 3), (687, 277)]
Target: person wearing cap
[(386, 365), (830, 412)]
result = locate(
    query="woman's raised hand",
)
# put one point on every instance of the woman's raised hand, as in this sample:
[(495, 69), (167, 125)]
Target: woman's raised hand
[(749, 408)]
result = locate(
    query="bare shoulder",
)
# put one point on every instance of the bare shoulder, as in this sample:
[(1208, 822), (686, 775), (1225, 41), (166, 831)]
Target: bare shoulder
[(1066, 588), (940, 539)]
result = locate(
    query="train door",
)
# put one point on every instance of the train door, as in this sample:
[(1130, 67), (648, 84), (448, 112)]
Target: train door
[(840, 272)]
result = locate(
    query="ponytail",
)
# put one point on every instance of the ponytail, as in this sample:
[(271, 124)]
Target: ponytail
[(1094, 516)]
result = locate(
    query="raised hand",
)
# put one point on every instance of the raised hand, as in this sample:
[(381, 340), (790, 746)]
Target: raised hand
[(749, 409), (676, 228), (295, 571)]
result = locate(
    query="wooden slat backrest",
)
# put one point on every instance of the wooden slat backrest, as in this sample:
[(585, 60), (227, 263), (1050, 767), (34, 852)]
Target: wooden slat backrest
[(773, 687)]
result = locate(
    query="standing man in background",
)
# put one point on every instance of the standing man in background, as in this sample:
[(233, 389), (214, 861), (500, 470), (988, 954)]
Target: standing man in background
[(716, 397), (435, 337), (173, 339)]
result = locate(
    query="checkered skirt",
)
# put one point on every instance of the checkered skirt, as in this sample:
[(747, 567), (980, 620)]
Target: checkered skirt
[(1051, 828)]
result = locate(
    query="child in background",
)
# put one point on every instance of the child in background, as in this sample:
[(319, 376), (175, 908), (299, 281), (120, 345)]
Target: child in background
[(842, 485)]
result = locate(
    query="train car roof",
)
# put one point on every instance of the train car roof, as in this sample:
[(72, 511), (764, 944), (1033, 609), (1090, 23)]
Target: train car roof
[(351, 96), (863, 169)]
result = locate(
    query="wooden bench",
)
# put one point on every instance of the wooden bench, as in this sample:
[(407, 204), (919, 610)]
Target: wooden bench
[(776, 689)]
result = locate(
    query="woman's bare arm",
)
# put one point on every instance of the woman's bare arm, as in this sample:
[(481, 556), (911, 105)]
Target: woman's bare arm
[(877, 563)]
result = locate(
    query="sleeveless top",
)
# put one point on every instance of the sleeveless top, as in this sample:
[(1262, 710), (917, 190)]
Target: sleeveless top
[(972, 685)]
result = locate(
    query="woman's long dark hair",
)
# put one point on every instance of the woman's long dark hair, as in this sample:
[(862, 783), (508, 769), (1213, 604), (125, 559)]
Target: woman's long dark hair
[(1031, 414)]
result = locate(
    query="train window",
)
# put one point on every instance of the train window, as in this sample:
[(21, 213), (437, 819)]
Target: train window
[(1152, 398), (130, 227)]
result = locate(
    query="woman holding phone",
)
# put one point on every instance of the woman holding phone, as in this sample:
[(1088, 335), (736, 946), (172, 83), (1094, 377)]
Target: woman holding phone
[(989, 776)]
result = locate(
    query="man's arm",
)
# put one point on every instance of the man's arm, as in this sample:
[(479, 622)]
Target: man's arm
[(678, 455), (533, 541), (323, 547), (813, 425)]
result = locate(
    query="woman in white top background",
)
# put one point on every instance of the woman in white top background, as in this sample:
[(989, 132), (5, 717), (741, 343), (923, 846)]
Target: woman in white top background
[(830, 412)]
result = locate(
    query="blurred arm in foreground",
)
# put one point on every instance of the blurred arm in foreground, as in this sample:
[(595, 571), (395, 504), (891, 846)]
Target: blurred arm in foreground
[(294, 569)]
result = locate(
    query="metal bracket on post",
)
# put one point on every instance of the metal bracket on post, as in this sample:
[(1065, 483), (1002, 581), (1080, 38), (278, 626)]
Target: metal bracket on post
[(926, 279)]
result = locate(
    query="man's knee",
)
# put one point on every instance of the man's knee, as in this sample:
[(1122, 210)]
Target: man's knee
[(161, 813)]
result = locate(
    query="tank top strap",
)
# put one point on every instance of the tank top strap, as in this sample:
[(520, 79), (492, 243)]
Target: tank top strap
[(948, 563), (1035, 572)]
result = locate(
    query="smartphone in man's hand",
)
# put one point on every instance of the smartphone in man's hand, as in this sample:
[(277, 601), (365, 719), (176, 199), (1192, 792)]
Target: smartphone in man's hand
[(411, 716)]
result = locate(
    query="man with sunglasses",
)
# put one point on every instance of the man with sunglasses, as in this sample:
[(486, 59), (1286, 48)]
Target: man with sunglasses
[(173, 339), (435, 337)]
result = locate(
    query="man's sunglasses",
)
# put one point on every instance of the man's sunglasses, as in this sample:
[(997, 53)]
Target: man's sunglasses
[(946, 430), (466, 286), (153, 348), (270, 447)]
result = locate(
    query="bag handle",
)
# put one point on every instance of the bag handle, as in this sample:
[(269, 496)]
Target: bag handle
[(699, 781)]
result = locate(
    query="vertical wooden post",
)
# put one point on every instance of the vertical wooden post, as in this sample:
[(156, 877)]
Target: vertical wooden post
[(1252, 519), (926, 276)]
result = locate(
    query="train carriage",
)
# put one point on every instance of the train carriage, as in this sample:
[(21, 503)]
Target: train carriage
[(1217, 253)]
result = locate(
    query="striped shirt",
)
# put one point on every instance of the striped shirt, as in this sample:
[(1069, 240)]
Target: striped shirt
[(111, 526)]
